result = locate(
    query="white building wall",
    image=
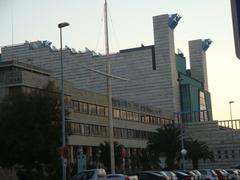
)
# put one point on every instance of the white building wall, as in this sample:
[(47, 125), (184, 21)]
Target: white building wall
[(158, 88)]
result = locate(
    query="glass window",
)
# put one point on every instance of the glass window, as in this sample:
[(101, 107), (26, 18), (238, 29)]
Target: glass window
[(142, 118), (100, 110), (203, 108), (116, 113), (147, 119), (219, 154), (135, 116), (93, 109), (86, 129), (76, 106), (84, 107), (226, 154), (123, 114), (129, 115)]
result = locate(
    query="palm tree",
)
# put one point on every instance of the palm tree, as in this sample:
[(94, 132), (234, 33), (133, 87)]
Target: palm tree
[(105, 154), (166, 141), (197, 150)]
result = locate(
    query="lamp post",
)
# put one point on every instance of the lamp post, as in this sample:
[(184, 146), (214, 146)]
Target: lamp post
[(230, 104), (60, 26)]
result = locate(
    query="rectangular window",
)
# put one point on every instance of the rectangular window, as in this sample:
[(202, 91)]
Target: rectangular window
[(76, 106), (93, 109), (100, 110), (226, 154), (233, 154), (146, 119), (135, 116), (84, 107), (219, 154), (142, 118), (123, 114), (116, 113), (129, 116)]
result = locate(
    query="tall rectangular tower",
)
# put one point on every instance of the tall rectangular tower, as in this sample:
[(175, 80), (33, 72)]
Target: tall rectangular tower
[(166, 61), (197, 51)]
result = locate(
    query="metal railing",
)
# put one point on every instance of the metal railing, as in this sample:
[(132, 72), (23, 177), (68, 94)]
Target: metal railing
[(229, 124)]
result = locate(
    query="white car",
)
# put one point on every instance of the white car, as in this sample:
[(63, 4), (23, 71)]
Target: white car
[(92, 174)]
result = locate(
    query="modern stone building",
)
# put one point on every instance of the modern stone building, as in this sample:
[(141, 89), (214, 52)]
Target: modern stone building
[(160, 90), (87, 123), (153, 71)]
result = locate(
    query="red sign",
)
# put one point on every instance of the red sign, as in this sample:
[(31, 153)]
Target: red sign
[(65, 152)]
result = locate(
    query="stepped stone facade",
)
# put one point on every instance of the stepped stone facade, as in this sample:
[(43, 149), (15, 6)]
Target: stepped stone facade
[(222, 140)]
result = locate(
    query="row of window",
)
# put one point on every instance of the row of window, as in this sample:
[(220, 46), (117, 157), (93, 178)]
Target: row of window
[(226, 154), (102, 131), (93, 109)]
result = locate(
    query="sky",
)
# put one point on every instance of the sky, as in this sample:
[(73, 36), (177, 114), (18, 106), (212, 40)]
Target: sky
[(130, 26)]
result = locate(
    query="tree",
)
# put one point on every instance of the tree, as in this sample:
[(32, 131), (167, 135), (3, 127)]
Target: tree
[(197, 150), (105, 154), (166, 141), (30, 132)]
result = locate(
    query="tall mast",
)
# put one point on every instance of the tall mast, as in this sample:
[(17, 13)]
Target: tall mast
[(109, 92), (106, 28)]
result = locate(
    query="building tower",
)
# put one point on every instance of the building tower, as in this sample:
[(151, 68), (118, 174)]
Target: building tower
[(197, 51), (164, 26)]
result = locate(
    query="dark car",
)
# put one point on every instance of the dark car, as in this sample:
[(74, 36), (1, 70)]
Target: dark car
[(149, 176), (234, 174), (222, 175), (183, 176)]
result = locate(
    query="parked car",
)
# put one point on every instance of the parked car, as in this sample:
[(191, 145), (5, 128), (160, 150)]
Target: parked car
[(222, 174), (208, 174), (121, 177), (171, 174), (92, 174), (163, 173), (190, 173), (183, 176), (234, 174), (199, 175), (145, 175)]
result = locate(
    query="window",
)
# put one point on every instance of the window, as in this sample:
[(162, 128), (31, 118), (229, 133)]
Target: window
[(142, 118), (233, 154), (123, 114), (116, 113), (100, 110), (203, 108), (93, 109), (146, 119), (83, 107), (135, 116), (76, 106), (219, 154), (226, 154), (129, 115)]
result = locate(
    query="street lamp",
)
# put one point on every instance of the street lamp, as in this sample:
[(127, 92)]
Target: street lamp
[(230, 104), (60, 26)]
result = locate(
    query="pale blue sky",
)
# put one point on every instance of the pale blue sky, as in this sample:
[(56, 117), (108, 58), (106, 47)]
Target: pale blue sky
[(132, 26)]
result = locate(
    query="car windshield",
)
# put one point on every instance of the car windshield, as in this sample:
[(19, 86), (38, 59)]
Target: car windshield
[(84, 176)]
